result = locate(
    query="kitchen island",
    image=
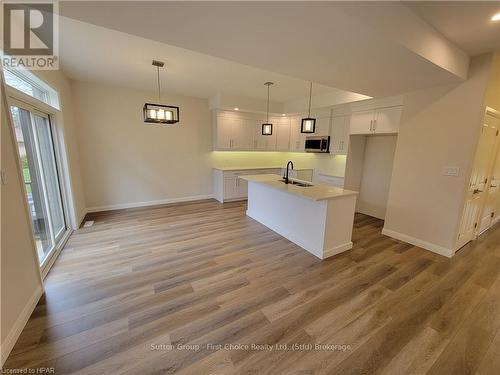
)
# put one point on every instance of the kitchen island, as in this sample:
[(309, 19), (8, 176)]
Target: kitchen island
[(318, 218)]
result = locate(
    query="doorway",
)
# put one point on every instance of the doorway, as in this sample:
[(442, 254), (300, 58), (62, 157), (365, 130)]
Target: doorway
[(476, 216)]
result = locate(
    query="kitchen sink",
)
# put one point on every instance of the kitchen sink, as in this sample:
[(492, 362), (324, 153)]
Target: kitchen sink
[(298, 183)]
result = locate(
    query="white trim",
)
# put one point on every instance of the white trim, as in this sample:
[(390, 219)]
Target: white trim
[(121, 206), (48, 263), (337, 250), (420, 243), (18, 326)]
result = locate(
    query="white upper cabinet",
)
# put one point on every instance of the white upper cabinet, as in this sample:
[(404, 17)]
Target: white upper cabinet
[(387, 120), (264, 142), (362, 122), (282, 127), (339, 136), (233, 134), (224, 133), (322, 126), (376, 121), (297, 139)]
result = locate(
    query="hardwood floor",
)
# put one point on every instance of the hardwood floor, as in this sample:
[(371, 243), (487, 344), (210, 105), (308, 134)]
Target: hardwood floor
[(163, 289)]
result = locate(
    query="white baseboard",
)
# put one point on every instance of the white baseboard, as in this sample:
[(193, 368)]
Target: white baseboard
[(337, 250), (17, 328), (420, 243), (121, 206)]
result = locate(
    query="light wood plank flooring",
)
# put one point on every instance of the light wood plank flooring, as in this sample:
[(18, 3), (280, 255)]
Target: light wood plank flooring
[(164, 289)]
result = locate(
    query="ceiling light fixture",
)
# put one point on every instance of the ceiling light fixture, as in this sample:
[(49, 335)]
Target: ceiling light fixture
[(267, 127), (236, 109), (496, 17), (308, 124), (159, 113)]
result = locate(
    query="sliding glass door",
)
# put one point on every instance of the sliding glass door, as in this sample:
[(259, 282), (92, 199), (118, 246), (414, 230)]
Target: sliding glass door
[(39, 168)]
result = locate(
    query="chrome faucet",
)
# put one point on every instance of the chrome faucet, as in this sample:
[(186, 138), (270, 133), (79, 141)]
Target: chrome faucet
[(285, 177)]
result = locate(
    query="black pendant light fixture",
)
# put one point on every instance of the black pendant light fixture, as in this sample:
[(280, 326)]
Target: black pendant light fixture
[(308, 124), (267, 127), (159, 113)]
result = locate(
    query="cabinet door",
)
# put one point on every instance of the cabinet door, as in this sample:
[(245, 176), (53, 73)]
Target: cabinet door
[(297, 139), (282, 135), (242, 134), (224, 133), (339, 135), (322, 126), (241, 188), (362, 122), (230, 188), (387, 120), (264, 142)]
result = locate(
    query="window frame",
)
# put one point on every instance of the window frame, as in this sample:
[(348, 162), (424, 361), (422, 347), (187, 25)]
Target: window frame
[(15, 97)]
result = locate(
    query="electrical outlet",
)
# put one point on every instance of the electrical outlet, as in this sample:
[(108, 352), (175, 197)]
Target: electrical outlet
[(450, 171)]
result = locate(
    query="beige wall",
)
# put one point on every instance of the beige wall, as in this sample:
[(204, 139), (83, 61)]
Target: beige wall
[(378, 159), (21, 284), (439, 128), (125, 161)]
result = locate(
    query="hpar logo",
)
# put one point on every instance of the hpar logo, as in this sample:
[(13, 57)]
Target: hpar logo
[(30, 35)]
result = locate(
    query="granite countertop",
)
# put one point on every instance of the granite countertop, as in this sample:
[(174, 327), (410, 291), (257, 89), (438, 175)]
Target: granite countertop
[(316, 192)]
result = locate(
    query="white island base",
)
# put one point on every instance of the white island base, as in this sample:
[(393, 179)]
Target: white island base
[(318, 218)]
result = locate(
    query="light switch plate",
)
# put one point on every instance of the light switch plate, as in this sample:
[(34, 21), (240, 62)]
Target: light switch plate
[(450, 171)]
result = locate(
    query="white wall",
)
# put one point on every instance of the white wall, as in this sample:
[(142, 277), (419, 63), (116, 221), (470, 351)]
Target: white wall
[(21, 284), (439, 127), (378, 159)]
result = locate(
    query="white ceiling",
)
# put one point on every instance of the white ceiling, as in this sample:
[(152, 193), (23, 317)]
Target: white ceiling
[(96, 54), (466, 23), (315, 41)]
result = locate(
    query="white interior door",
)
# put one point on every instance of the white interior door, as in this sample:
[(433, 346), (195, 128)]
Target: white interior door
[(479, 182), (490, 212)]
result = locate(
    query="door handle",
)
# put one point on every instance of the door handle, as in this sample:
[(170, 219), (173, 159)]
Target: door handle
[(476, 191)]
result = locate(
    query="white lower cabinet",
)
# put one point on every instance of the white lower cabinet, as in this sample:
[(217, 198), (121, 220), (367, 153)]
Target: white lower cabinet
[(229, 187)]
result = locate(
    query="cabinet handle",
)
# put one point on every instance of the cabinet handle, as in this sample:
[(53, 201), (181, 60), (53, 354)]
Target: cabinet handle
[(374, 124), (371, 125)]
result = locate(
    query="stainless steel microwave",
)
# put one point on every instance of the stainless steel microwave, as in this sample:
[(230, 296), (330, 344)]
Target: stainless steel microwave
[(318, 144)]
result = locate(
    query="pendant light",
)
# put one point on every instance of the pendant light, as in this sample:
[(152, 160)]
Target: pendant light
[(308, 124), (267, 127), (159, 113)]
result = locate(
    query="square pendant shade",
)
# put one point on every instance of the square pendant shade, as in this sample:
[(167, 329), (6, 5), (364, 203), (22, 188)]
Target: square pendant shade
[(267, 129), (160, 114), (308, 125)]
